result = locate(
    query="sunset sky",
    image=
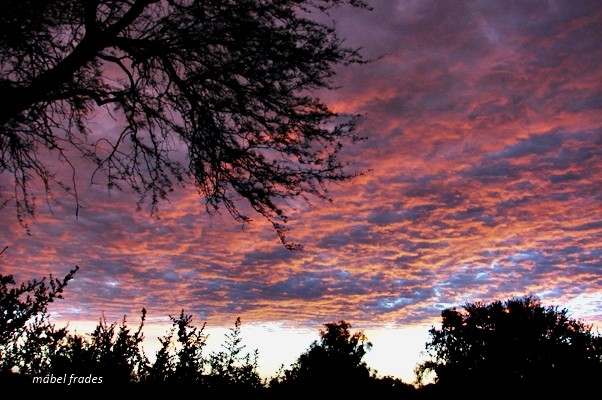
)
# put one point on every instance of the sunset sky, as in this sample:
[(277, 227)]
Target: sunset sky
[(484, 181)]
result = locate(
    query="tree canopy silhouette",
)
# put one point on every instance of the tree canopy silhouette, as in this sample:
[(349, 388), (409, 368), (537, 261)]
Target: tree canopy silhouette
[(510, 346), (27, 340), (21, 303), (334, 362), (218, 93)]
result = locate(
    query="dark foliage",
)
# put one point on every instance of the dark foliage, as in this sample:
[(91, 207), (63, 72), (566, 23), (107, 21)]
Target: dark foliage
[(231, 368), (180, 359), (20, 303), (230, 84), (335, 361), (512, 346), (503, 348), (112, 352)]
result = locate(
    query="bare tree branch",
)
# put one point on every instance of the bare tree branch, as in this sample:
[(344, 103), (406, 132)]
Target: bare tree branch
[(231, 81)]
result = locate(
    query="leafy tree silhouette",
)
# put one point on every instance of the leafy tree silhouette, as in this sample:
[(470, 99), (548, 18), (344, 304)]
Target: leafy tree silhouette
[(113, 353), (229, 367), (180, 359), (19, 304), (512, 346), (39, 349), (229, 83), (334, 363), (28, 342)]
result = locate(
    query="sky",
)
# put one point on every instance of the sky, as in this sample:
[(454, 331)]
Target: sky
[(484, 181)]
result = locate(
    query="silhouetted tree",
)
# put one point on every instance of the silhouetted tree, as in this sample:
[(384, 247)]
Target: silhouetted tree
[(33, 347), (20, 303), (180, 358), (332, 364), (511, 346), (232, 372), (112, 352), (114, 355), (38, 350), (28, 342), (230, 83), (231, 368)]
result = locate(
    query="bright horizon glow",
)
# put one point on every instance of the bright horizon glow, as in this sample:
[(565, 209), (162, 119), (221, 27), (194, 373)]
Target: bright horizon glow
[(395, 351)]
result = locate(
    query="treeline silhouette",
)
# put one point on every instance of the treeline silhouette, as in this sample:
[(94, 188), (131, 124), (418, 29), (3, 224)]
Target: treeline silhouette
[(511, 347)]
